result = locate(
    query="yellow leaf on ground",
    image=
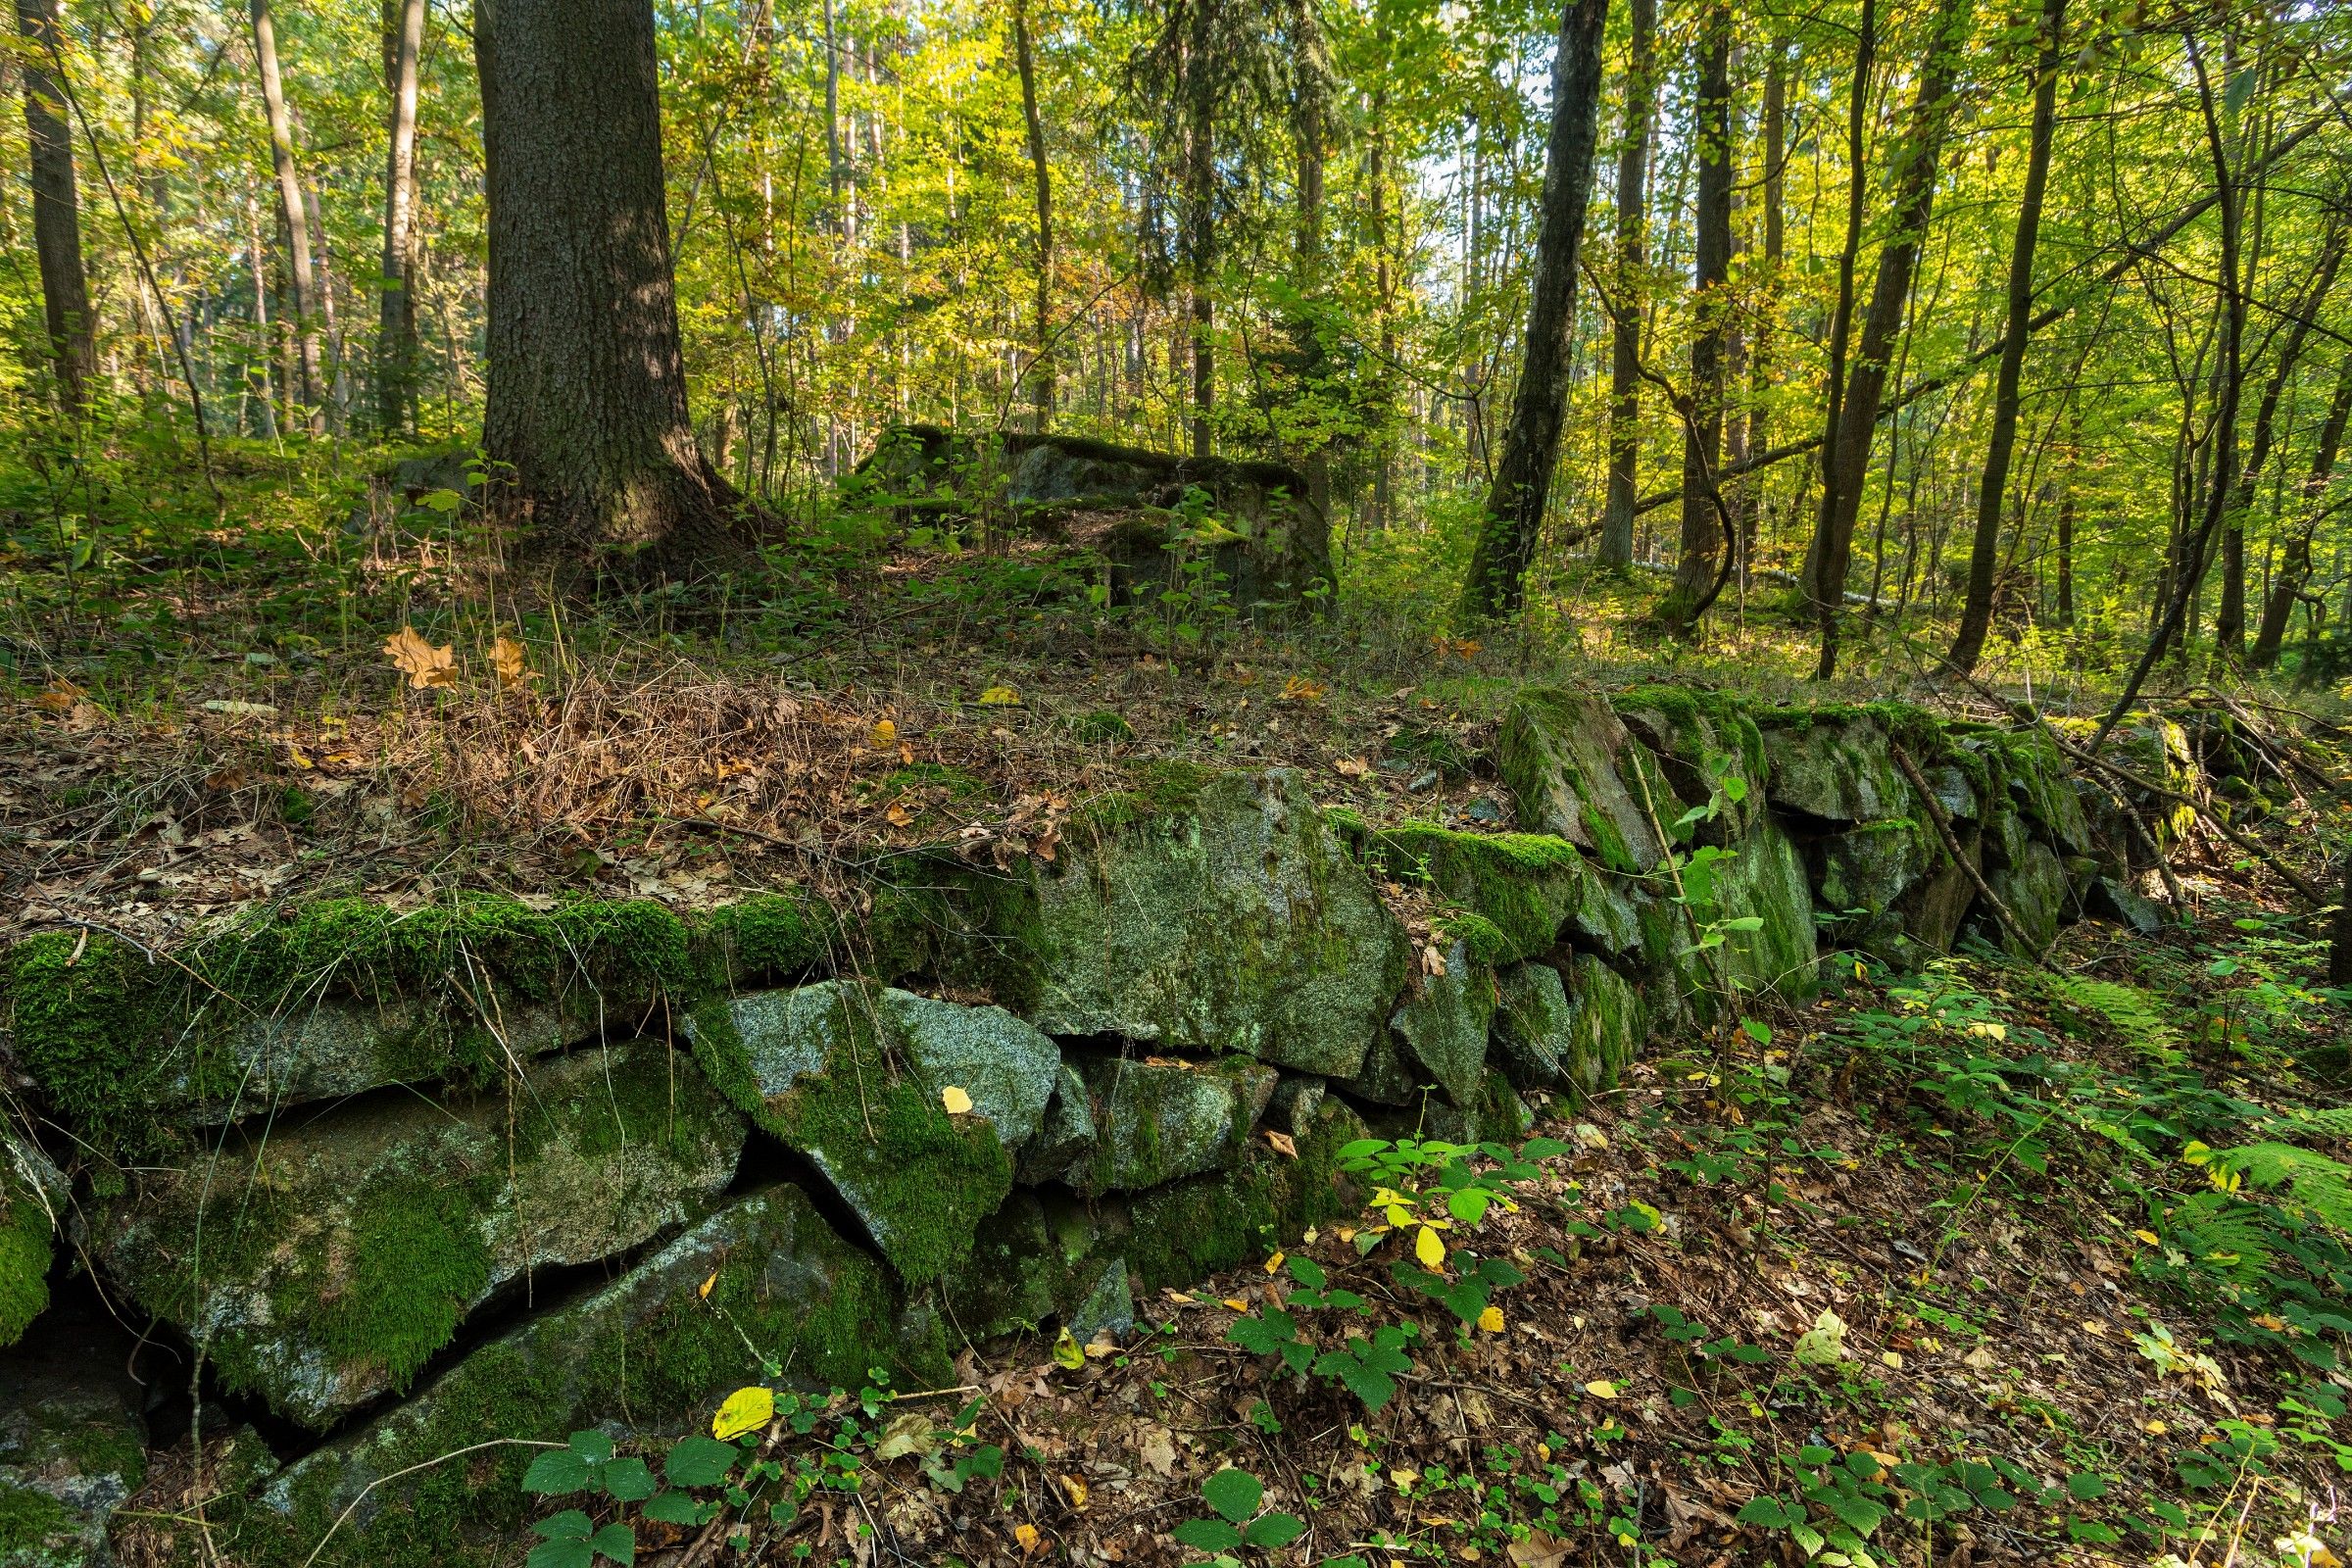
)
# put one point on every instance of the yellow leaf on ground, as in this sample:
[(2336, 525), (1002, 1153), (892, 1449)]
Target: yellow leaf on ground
[(1075, 1490), (1601, 1388), (1491, 1320), (956, 1102), (1000, 697), (508, 662), (1069, 1353), (1352, 767), (744, 1411), (1430, 1249), (1282, 1144), (886, 734), (425, 666), (705, 1291), (1274, 1263), (1029, 1538)]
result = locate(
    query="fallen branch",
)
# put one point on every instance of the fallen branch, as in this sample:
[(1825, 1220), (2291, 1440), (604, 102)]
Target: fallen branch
[(2040, 951)]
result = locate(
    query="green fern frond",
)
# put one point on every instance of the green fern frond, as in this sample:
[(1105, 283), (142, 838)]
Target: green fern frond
[(2134, 1013), (2225, 1236), (2318, 1186), (2333, 1123)]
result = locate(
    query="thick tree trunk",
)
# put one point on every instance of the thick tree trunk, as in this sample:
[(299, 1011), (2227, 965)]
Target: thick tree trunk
[(1976, 614), (1506, 542), (1632, 261), (1866, 383), (587, 402), (2294, 571), (303, 303), (396, 320), (1041, 368), (56, 210), (1704, 546)]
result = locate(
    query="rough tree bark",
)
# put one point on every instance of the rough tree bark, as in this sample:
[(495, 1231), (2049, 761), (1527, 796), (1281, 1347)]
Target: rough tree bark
[(1633, 259), (1976, 613), (1310, 129), (1866, 383), (2294, 569), (396, 320), (56, 210), (587, 418), (1506, 542), (1703, 545), (302, 285), (1041, 368)]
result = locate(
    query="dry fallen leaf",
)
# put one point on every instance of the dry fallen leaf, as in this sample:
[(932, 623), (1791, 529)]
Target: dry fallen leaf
[(956, 1100), (1601, 1388), (1351, 767), (425, 666), (1491, 1320), (1000, 697), (1283, 1143), (1029, 1538), (1158, 1450), (705, 1291), (1075, 1490), (506, 661), (1298, 689)]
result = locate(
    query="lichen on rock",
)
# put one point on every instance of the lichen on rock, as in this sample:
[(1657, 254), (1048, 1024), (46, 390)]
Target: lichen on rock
[(322, 1262), (1225, 917), (853, 1076)]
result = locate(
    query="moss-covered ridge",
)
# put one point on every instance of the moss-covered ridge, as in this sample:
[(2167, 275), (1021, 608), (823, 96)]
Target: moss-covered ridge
[(344, 995)]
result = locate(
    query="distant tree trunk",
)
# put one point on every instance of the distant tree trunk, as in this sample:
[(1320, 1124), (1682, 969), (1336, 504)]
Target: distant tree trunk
[(1309, 130), (2294, 569), (1976, 614), (1763, 366), (2229, 625), (56, 210), (587, 399), (1703, 545), (396, 320), (1201, 216), (1376, 173), (1866, 383), (1041, 369), (303, 303), (1841, 320), (1506, 542), (2230, 379), (834, 173), (2066, 515), (1632, 260)]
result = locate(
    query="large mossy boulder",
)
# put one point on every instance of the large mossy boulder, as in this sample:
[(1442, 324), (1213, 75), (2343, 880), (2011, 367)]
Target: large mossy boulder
[(1249, 529), (856, 1078), (1764, 880), (1535, 890), (73, 1448), (1834, 766), (1709, 752), (1156, 1120), (1572, 1031), (1213, 912), (656, 1351), (1576, 772), (32, 1199), (323, 1262), (1186, 1231), (1442, 1025)]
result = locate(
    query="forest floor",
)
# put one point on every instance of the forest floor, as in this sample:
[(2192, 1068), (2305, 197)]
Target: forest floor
[(289, 698), (1911, 1275)]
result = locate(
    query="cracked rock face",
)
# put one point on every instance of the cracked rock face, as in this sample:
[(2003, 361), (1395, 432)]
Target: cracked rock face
[(325, 1261), (1231, 921)]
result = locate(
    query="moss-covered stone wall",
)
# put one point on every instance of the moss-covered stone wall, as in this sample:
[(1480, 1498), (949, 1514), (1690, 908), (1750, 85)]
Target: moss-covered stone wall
[(422, 1177)]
